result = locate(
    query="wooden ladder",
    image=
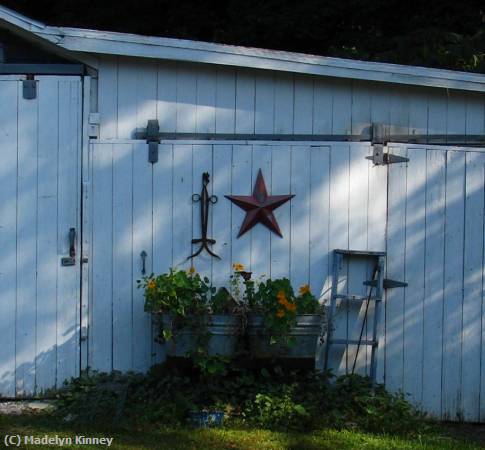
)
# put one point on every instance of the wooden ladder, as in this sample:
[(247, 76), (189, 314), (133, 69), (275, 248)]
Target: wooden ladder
[(375, 284)]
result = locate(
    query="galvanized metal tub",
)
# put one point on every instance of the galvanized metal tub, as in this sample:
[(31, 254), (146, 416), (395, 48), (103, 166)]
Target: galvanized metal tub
[(306, 333), (223, 336)]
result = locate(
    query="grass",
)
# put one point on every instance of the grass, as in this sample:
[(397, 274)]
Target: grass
[(156, 438)]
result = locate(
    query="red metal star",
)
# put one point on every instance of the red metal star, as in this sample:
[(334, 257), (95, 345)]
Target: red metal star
[(259, 207)]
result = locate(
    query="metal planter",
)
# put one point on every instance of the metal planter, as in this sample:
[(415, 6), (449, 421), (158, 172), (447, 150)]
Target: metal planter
[(224, 332), (307, 331)]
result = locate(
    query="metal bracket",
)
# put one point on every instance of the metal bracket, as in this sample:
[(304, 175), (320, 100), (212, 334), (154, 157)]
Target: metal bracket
[(386, 283), (152, 136), (29, 89)]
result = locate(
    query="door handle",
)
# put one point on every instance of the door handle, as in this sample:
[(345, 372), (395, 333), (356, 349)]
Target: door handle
[(71, 259)]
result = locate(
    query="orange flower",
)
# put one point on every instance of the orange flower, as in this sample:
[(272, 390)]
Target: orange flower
[(291, 307), (280, 313), (282, 300), (238, 267), (192, 270), (305, 289), (151, 284)]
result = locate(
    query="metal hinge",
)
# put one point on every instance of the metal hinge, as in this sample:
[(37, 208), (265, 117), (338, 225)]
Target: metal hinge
[(29, 88), (379, 139), (379, 157), (152, 135)]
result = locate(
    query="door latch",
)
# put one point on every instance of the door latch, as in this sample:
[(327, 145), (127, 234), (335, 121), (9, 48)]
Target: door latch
[(71, 259)]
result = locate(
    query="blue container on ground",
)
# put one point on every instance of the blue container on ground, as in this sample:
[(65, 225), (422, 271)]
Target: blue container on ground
[(206, 419)]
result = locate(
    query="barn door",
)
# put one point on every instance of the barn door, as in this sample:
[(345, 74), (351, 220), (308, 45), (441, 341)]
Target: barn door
[(39, 214), (434, 337)]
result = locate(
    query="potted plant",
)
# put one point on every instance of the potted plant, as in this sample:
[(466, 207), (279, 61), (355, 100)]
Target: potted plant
[(193, 319), (282, 324)]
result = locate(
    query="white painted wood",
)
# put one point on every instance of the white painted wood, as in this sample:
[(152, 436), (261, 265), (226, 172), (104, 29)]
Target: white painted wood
[(283, 104), (186, 98), (456, 114), (342, 107), (68, 216), (167, 96), (300, 217), (245, 98), (303, 105), (225, 101), (396, 252), (88, 93), (142, 241), (241, 185), (322, 107), (8, 223), (26, 247), (264, 99), (108, 96), (281, 184), (414, 268), (361, 107), (453, 283), (399, 111), (100, 334), (182, 197), (146, 94), (472, 286), (221, 225), (434, 273), (206, 100), (437, 111), (418, 111), (122, 248), (47, 206), (260, 235), (127, 97)]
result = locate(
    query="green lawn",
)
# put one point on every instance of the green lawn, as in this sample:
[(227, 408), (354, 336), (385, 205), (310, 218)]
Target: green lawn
[(175, 439)]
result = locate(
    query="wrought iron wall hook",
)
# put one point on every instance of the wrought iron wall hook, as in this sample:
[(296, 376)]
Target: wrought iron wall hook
[(205, 201)]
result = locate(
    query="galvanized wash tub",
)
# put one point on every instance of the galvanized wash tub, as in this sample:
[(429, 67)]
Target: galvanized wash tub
[(223, 330), (306, 333)]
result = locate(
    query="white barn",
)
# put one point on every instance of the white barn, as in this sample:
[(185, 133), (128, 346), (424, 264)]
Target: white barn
[(73, 104)]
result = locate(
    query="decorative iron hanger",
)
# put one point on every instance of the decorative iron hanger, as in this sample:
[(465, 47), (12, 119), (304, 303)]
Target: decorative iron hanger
[(205, 201)]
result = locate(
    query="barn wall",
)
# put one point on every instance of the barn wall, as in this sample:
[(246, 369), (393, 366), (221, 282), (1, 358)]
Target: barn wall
[(201, 98)]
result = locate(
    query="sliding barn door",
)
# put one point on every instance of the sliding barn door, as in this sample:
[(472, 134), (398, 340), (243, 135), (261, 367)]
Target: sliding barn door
[(435, 327), (39, 205)]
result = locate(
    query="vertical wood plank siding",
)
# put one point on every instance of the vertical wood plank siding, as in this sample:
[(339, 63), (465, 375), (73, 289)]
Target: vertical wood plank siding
[(193, 98), (433, 328), (39, 203)]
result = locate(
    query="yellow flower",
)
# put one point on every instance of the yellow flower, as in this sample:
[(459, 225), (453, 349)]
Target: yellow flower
[(291, 307), (238, 267), (280, 313), (282, 300), (192, 270), (151, 284), (305, 289)]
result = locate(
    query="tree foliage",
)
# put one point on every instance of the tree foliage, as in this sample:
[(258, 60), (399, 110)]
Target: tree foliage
[(443, 33)]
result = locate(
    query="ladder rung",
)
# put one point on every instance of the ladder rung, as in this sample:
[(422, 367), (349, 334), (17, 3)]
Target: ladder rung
[(352, 342), (357, 298), (359, 252)]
